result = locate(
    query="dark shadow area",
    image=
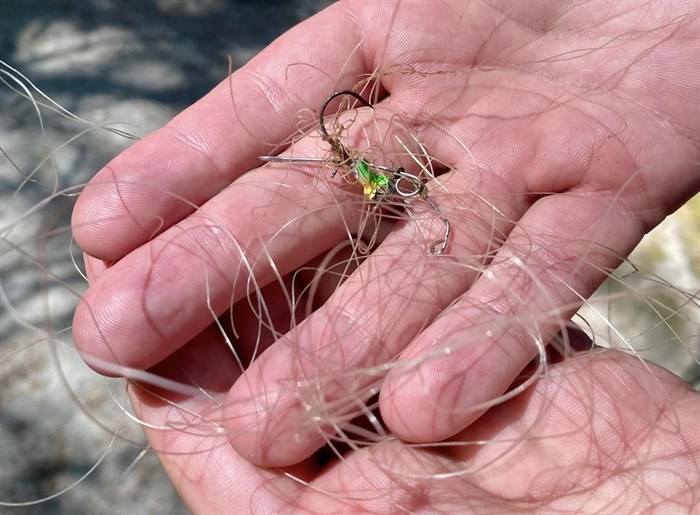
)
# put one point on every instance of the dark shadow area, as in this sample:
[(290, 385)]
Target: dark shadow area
[(193, 36)]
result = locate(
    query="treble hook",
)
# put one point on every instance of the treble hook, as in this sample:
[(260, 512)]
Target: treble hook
[(321, 126), (391, 183)]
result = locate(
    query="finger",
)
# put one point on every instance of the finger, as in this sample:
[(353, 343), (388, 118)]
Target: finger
[(555, 257), (160, 296), (167, 175), (217, 356)]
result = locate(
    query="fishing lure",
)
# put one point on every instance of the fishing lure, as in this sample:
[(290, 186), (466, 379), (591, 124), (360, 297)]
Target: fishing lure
[(378, 182)]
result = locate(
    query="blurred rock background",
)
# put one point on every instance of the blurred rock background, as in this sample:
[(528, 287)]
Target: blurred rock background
[(104, 60), (142, 62)]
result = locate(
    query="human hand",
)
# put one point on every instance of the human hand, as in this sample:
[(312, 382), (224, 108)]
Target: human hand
[(570, 151)]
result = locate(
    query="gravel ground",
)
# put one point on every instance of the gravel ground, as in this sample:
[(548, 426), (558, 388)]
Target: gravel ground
[(142, 62)]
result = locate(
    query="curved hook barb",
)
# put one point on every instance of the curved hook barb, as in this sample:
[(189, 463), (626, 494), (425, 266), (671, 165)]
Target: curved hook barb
[(438, 246), (321, 114), (419, 189)]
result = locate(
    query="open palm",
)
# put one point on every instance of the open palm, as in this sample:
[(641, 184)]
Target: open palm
[(572, 128)]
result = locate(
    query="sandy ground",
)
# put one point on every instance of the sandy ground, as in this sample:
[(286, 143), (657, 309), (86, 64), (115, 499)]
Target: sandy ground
[(142, 61)]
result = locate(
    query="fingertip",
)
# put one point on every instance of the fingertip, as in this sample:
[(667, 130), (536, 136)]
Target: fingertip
[(127, 203), (402, 410), (430, 403), (268, 420), (269, 429), (110, 328), (89, 219), (90, 342)]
